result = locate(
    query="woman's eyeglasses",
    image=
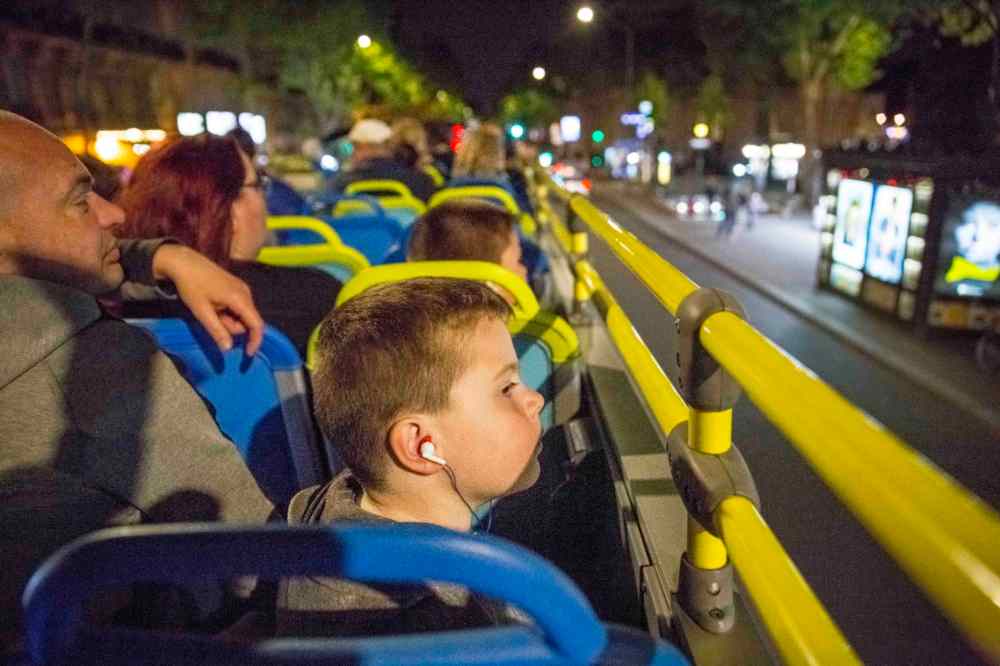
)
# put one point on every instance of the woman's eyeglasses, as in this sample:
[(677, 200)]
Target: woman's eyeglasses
[(261, 183)]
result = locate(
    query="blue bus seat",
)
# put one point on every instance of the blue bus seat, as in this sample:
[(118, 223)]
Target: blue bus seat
[(261, 403), (565, 631), (282, 199), (359, 220), (324, 251)]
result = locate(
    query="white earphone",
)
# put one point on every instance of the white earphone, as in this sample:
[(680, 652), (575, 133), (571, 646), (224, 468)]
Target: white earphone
[(427, 452)]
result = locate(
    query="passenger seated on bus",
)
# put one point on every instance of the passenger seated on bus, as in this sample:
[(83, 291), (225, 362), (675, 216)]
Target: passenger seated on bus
[(281, 198), (204, 192), (468, 230), (417, 385), (409, 141), (372, 159), (97, 427), (481, 160)]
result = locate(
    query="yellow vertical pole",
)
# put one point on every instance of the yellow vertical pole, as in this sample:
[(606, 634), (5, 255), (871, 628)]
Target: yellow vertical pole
[(708, 432)]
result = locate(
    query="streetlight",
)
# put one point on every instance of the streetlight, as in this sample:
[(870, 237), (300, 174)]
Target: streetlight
[(700, 130), (364, 41), (585, 14), (538, 73)]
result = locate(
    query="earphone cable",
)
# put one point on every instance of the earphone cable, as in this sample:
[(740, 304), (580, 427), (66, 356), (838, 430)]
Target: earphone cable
[(454, 484)]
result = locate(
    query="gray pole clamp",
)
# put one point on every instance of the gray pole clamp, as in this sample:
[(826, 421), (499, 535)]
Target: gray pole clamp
[(705, 479), (703, 383)]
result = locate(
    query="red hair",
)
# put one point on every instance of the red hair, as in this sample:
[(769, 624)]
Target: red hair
[(184, 188)]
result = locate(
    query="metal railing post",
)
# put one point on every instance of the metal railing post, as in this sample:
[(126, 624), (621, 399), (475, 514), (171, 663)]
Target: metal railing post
[(705, 466)]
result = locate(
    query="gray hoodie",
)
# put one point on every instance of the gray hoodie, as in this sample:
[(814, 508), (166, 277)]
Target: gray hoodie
[(321, 606), (97, 428)]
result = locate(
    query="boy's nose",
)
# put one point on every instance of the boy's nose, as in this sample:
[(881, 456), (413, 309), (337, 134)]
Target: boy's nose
[(534, 402)]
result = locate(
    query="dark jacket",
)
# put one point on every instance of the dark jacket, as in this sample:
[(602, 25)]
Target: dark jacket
[(293, 300), (337, 607), (384, 168), (97, 428)]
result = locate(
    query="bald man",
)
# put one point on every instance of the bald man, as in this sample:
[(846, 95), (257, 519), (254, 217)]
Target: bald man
[(97, 427)]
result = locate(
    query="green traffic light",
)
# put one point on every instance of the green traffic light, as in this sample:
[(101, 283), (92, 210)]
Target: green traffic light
[(597, 136)]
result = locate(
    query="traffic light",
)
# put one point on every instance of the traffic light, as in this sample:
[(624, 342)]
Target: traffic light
[(597, 160), (597, 136), (516, 131)]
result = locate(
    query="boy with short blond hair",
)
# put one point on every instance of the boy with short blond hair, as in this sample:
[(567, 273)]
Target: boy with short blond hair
[(468, 230), (417, 385)]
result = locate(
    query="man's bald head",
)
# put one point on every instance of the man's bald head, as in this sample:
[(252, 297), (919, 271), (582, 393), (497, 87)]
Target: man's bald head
[(24, 148), (53, 226)]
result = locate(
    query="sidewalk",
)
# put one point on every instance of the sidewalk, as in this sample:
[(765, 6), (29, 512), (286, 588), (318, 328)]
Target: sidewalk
[(778, 258)]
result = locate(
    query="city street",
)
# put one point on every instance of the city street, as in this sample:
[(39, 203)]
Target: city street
[(927, 392)]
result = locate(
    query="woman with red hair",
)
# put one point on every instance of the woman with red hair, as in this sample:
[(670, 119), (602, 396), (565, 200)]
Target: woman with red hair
[(204, 192)]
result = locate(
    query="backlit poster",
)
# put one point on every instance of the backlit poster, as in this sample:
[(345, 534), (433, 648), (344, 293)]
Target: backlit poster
[(969, 258), (890, 222), (850, 234)]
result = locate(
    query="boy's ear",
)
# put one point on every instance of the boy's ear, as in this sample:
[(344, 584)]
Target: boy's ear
[(405, 436)]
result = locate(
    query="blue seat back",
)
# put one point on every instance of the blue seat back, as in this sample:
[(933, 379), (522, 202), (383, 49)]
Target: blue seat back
[(282, 199), (537, 372), (376, 237), (566, 629), (261, 402)]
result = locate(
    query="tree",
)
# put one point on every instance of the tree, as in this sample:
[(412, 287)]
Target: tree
[(311, 46), (974, 23), (654, 89), (529, 106), (712, 104), (820, 44)]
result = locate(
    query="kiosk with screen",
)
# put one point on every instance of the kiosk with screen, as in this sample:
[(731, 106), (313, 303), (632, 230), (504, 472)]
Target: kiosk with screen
[(969, 259), (850, 234), (888, 230)]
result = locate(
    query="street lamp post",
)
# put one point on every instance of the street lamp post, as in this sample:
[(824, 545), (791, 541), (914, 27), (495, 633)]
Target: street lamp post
[(585, 14)]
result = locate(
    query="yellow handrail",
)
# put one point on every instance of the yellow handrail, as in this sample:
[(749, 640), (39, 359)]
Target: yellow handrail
[(800, 627), (765, 568), (943, 536), (376, 186), (476, 192), (331, 251), (665, 403), (669, 285)]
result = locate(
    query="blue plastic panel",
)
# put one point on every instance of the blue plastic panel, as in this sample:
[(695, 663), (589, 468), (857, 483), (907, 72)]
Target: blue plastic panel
[(242, 393)]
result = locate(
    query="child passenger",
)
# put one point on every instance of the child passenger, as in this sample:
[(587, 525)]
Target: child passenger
[(417, 383), (469, 230)]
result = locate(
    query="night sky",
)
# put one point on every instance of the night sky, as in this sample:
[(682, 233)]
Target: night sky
[(486, 48)]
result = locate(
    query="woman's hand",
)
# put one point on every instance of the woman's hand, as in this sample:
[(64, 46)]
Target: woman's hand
[(220, 301)]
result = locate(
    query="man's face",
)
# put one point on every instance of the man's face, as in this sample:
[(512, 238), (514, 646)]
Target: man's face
[(490, 430), (58, 229)]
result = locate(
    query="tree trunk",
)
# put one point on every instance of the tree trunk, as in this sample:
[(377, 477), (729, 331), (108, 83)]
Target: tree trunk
[(811, 94)]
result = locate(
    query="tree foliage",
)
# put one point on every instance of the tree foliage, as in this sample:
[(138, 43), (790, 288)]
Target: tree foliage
[(311, 46), (530, 106), (654, 89), (712, 104)]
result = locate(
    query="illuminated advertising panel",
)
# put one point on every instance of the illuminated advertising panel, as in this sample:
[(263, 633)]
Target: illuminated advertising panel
[(887, 233), (969, 256), (850, 234)]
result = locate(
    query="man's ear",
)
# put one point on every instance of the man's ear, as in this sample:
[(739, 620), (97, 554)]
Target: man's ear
[(405, 437)]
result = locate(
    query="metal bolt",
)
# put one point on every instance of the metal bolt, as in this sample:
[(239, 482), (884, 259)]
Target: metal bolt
[(716, 613), (714, 588)]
